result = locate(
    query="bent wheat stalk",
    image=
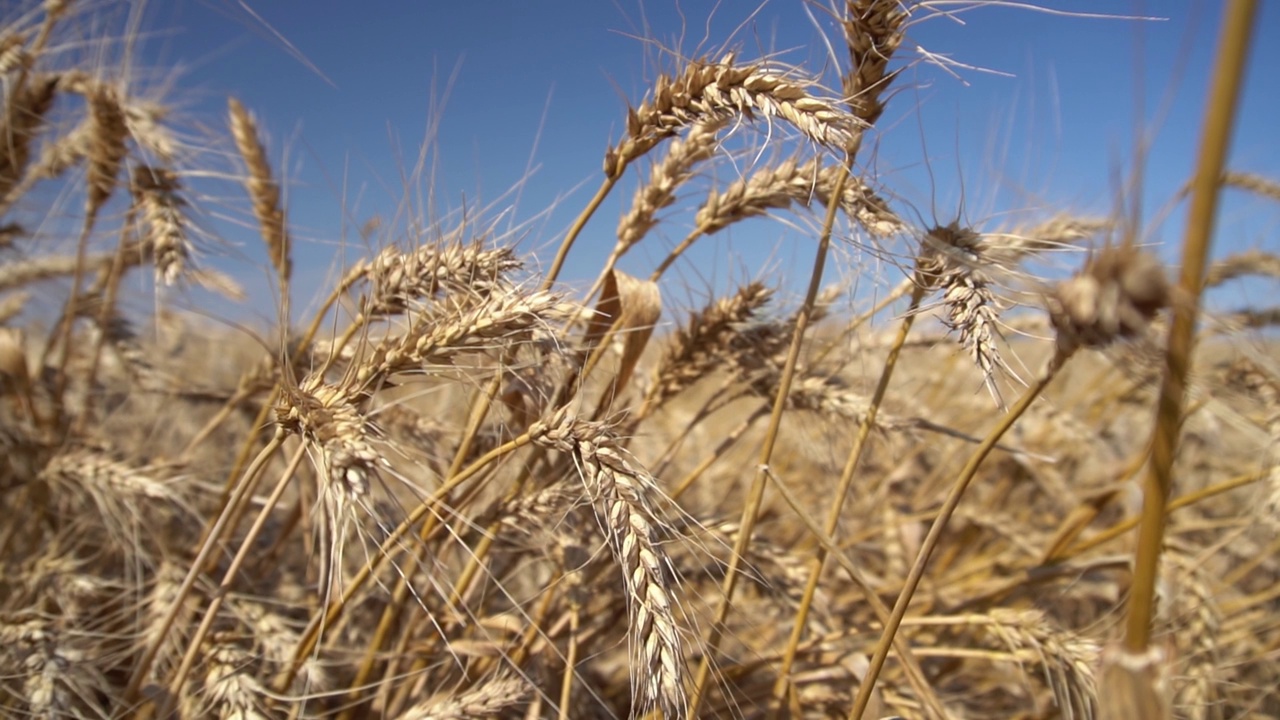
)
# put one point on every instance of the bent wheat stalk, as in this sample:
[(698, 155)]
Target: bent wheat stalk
[(930, 542)]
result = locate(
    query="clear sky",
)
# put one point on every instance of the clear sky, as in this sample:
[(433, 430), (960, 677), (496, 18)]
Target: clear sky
[(349, 91)]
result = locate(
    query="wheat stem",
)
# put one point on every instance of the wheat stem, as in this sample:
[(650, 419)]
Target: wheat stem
[(243, 490), (939, 524), (842, 491), (1219, 119), (228, 578), (755, 496), (331, 612)]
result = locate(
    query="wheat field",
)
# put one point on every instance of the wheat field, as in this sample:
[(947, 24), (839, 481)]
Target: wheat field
[(463, 488)]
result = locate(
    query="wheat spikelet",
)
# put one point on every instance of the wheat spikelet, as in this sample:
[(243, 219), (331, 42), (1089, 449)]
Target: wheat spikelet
[(11, 305), (397, 278), (166, 581), (13, 52), (274, 638), (1196, 618), (1242, 264), (144, 121), (973, 313), (712, 92), (105, 144), (57, 678), (699, 346), (1068, 660), (826, 395), (1254, 183), (434, 338), (779, 570), (56, 157), (25, 110), (10, 233), (676, 167), (95, 471), (14, 376), (955, 258), (793, 182), (17, 273), (1061, 230), (873, 30), (494, 698), (327, 416), (228, 689), (156, 192), (263, 190), (1256, 381), (859, 202), (535, 512), (1115, 296), (623, 495), (773, 188)]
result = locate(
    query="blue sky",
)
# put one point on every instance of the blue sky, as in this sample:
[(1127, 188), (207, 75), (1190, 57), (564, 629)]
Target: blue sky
[(348, 91)]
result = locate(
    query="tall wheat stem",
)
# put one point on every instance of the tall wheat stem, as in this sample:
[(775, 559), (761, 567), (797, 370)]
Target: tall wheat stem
[(842, 492), (755, 495), (229, 577), (939, 525), (243, 490), (1220, 113), (331, 612), (915, 674)]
